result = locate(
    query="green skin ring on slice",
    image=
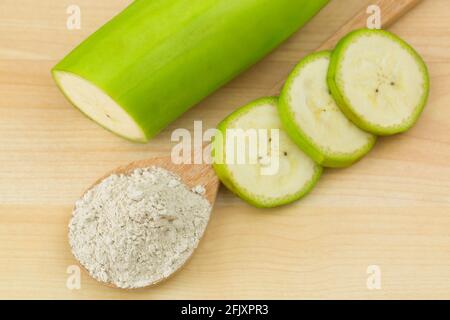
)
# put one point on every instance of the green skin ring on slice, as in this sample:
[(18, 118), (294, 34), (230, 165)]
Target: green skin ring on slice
[(379, 81), (313, 120), (296, 175)]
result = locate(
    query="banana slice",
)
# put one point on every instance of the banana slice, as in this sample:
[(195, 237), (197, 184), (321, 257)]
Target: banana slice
[(379, 81), (314, 121), (256, 159)]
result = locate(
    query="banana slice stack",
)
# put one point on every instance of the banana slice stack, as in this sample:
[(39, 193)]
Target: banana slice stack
[(329, 114)]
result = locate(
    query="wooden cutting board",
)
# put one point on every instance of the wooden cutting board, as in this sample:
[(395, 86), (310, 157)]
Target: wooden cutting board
[(391, 210)]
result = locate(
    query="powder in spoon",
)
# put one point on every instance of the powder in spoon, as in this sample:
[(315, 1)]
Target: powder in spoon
[(137, 229)]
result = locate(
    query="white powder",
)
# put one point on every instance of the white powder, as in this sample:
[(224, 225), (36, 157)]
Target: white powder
[(135, 230)]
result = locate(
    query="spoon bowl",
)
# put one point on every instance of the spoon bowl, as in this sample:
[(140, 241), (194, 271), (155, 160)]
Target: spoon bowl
[(191, 175)]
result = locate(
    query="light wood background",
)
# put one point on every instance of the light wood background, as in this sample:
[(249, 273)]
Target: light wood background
[(392, 209)]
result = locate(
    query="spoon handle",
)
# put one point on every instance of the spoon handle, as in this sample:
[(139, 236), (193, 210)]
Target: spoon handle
[(391, 12)]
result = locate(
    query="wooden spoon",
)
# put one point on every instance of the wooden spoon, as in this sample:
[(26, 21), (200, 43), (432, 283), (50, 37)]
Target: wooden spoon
[(193, 175)]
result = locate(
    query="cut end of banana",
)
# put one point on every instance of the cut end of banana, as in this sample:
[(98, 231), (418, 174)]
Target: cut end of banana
[(379, 81), (294, 172), (313, 119), (98, 106)]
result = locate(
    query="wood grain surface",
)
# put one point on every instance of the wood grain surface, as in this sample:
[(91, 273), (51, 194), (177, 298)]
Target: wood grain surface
[(391, 210)]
